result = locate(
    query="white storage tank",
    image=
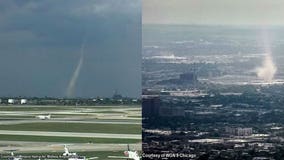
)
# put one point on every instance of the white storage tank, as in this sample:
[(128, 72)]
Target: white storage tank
[(24, 101), (11, 101)]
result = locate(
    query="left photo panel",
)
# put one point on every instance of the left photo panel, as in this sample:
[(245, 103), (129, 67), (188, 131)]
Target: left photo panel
[(70, 79)]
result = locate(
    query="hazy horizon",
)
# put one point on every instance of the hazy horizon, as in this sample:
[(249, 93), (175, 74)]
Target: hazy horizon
[(217, 12)]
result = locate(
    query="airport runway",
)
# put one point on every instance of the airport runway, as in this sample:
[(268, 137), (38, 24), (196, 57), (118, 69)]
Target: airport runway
[(9, 122), (71, 134), (125, 115)]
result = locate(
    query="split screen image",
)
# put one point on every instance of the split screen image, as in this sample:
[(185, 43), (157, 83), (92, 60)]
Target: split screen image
[(141, 79)]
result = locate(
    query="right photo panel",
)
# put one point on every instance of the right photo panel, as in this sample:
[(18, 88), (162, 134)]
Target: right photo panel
[(213, 80)]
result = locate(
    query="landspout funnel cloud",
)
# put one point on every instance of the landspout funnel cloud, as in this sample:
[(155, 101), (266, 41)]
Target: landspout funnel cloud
[(268, 69), (70, 92)]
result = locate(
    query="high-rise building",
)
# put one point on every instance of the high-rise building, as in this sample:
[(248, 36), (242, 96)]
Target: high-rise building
[(150, 106), (188, 78)]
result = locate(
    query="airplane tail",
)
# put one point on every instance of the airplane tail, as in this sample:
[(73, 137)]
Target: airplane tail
[(66, 151)]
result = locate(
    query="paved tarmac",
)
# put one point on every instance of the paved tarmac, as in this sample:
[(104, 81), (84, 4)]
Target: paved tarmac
[(9, 122), (71, 134)]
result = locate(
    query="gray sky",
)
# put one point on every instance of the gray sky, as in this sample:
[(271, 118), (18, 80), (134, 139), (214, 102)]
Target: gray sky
[(214, 12), (40, 47)]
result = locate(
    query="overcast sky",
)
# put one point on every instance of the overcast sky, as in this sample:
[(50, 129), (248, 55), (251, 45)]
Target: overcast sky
[(214, 12), (40, 43)]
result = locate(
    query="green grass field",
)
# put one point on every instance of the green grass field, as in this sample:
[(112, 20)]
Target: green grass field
[(135, 117), (75, 127), (65, 139), (16, 116), (50, 108), (35, 108)]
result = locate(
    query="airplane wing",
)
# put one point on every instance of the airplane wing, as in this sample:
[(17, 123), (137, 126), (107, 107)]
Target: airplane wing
[(118, 157)]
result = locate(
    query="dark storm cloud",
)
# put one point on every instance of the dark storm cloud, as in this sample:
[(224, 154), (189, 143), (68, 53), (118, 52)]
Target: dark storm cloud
[(40, 44)]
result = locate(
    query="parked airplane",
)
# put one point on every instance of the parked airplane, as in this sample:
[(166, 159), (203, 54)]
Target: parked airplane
[(13, 157), (43, 117), (128, 155), (67, 153), (74, 156)]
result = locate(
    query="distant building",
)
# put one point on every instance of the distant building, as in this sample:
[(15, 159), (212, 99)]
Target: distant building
[(230, 130), (239, 131), (188, 77), (24, 101), (244, 131), (150, 106), (116, 95), (11, 101), (171, 112), (178, 112), (165, 111)]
